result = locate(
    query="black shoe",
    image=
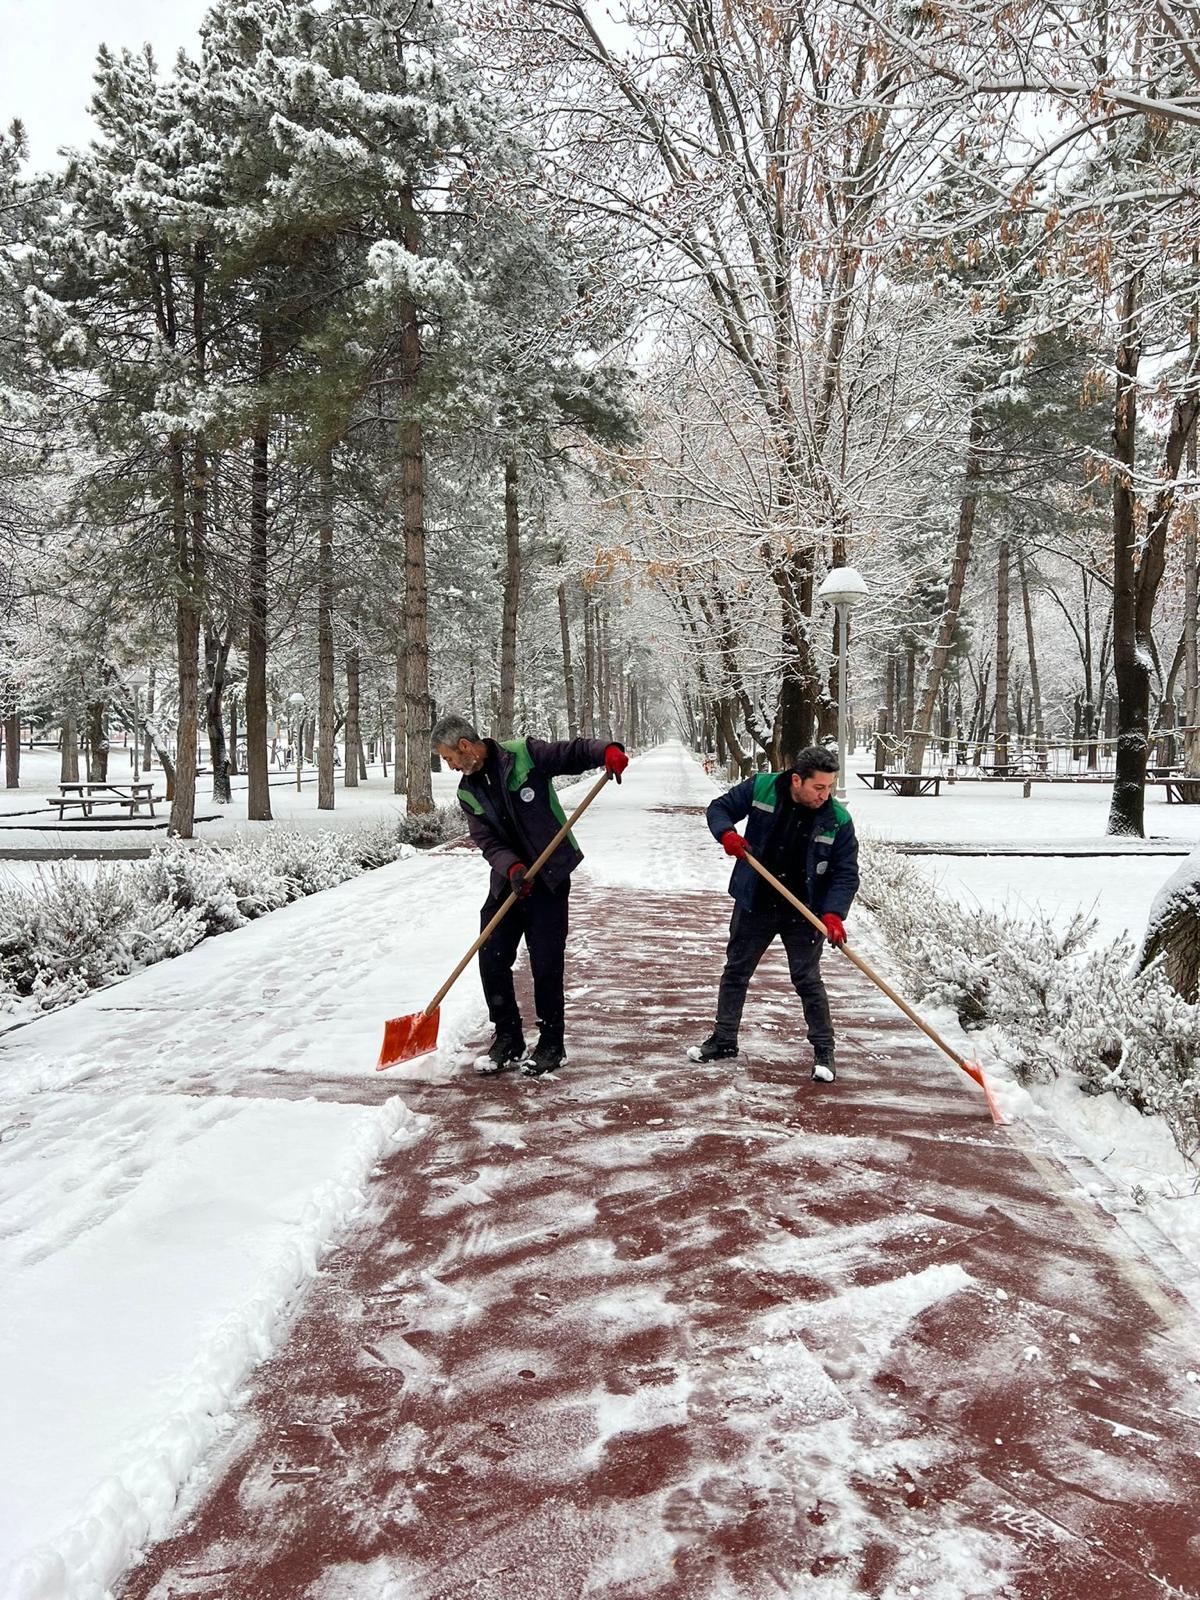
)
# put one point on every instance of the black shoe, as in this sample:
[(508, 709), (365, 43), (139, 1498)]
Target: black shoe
[(823, 1069), (547, 1057), (713, 1049), (505, 1051)]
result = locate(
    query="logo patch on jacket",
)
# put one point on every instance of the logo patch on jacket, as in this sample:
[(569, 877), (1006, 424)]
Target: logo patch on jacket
[(527, 795)]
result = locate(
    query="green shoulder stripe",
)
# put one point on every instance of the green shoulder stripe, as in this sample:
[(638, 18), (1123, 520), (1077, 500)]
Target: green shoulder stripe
[(466, 798), (840, 813), (765, 790), (522, 761)]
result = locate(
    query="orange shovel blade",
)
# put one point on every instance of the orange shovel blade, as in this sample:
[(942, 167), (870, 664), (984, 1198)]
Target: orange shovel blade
[(406, 1037), (974, 1070)]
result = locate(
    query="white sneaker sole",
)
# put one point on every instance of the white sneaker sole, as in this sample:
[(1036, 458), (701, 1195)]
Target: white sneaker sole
[(487, 1068)]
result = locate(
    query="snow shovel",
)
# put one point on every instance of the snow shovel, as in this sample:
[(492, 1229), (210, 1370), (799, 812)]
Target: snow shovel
[(415, 1035), (971, 1068)]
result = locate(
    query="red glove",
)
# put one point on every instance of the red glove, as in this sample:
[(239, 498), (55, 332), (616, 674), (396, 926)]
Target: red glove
[(834, 928), (733, 844), (516, 876), (615, 761)]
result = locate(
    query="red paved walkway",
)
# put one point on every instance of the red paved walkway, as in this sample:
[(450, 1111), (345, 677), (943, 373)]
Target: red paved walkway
[(712, 1334)]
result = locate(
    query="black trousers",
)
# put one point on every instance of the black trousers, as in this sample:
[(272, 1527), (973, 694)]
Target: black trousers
[(750, 935), (541, 920)]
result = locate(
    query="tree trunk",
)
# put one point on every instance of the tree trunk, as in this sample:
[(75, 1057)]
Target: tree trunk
[(233, 734), (958, 577), (891, 699), (353, 719), (400, 724), (216, 659), (800, 691), (97, 742), (881, 755), (68, 771), (1002, 658), (603, 674), (1035, 688), (148, 746), (12, 750), (1126, 809), (416, 653), (258, 796), (511, 600), (568, 672), (589, 668), (908, 700), (325, 687), (1138, 566), (187, 648), (187, 644)]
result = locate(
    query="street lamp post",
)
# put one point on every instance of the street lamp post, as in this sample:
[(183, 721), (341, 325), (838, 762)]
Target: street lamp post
[(842, 588), (296, 701), (137, 681)]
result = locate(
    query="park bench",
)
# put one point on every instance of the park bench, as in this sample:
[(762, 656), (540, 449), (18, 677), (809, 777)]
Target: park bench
[(908, 784), (130, 797), (1182, 791)]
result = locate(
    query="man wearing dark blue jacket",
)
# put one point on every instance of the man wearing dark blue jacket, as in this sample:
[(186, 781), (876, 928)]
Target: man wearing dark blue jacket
[(806, 838), (512, 814)]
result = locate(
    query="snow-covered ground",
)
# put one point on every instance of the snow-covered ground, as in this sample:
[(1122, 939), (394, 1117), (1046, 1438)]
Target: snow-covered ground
[(971, 813), (180, 1150), (1115, 881), (28, 825)]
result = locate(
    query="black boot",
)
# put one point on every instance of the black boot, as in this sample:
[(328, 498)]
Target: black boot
[(505, 1051), (548, 1056), (713, 1049)]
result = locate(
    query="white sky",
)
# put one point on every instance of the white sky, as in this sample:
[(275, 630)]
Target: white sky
[(48, 51)]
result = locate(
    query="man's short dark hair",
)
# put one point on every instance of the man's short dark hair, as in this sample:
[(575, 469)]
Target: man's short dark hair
[(448, 730), (815, 758)]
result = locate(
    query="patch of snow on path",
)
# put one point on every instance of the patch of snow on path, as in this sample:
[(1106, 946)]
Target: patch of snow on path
[(150, 1246)]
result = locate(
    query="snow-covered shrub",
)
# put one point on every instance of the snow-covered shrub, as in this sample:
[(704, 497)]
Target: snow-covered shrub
[(379, 843), (306, 863), (987, 966), (226, 888), (192, 879), (9, 998), (1057, 1004), (165, 931), (1131, 1033), (434, 827), (67, 934)]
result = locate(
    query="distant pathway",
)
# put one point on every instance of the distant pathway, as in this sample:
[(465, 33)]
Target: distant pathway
[(711, 1334)]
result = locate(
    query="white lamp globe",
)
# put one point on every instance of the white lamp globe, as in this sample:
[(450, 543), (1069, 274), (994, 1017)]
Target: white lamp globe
[(844, 586)]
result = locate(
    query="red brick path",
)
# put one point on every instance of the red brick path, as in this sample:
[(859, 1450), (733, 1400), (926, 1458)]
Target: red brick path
[(712, 1334)]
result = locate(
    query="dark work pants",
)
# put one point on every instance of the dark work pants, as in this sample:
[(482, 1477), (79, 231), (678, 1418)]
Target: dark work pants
[(750, 934), (542, 921)]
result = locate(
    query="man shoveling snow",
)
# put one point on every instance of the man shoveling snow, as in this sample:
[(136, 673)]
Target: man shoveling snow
[(806, 838)]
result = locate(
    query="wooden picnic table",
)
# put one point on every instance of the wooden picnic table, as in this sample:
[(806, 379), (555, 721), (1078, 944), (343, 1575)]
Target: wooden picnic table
[(909, 784), (131, 795)]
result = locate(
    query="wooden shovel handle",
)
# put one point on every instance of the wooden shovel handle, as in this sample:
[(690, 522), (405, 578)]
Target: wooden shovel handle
[(512, 899), (862, 966)]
